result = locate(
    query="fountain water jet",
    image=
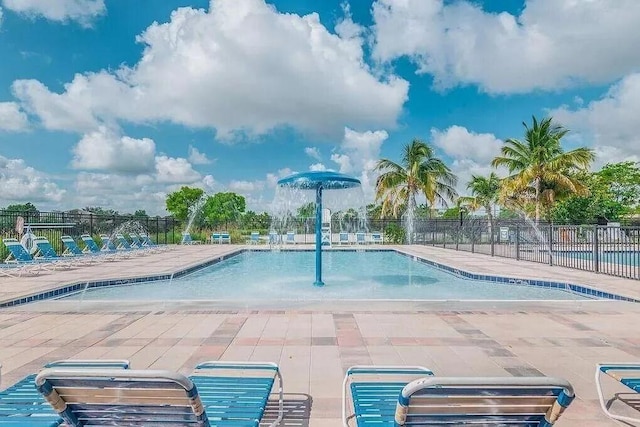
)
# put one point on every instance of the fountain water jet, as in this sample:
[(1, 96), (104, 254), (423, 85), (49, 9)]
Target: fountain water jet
[(193, 212), (318, 181)]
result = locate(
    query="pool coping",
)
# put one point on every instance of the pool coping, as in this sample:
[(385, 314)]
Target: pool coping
[(74, 287)]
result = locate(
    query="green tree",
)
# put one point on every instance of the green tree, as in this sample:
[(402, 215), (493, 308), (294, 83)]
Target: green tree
[(308, 210), (613, 193), (485, 191), (140, 213), (22, 208), (180, 202), (540, 158), (419, 172), (223, 208)]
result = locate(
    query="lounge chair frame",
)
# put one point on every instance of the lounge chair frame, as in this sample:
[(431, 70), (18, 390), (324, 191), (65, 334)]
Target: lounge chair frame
[(625, 367)]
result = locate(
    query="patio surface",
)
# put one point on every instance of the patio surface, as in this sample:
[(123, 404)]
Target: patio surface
[(315, 343)]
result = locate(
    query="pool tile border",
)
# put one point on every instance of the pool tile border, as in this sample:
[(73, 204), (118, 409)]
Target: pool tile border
[(76, 287)]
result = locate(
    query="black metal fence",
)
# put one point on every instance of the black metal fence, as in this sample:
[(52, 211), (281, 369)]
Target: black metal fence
[(53, 225), (610, 249)]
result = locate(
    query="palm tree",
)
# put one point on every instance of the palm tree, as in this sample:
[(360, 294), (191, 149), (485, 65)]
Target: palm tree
[(485, 191), (420, 171), (540, 159)]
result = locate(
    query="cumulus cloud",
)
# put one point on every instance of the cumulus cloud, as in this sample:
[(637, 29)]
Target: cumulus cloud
[(11, 117), (105, 150), (471, 153), (21, 183), (551, 44), (82, 11), (196, 157), (313, 152), (317, 167), (272, 178), (246, 186), (175, 170), (358, 155), (460, 143), (240, 67), (609, 124)]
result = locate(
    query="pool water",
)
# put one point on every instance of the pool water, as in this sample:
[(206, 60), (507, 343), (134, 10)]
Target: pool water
[(610, 257), (348, 275)]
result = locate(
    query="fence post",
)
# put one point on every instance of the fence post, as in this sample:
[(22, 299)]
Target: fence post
[(518, 242), (157, 229), (596, 250), (551, 244), (90, 224), (473, 238), (458, 230), (491, 242)]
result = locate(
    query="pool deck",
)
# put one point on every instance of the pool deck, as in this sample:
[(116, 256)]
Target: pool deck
[(315, 343)]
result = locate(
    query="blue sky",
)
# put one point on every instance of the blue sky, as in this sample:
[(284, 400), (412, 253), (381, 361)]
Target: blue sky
[(114, 103)]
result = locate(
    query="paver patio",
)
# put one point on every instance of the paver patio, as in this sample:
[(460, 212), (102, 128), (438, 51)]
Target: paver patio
[(315, 343)]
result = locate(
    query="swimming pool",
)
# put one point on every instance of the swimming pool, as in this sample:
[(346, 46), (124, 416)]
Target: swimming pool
[(631, 258), (349, 275)]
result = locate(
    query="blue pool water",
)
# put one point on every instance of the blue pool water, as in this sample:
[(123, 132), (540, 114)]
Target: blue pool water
[(288, 276), (609, 257)]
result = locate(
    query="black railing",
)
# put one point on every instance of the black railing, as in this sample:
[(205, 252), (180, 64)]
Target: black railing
[(53, 225), (610, 249)]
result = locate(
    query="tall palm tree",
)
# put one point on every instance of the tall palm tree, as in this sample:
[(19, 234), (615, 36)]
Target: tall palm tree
[(539, 159), (485, 191), (420, 171)]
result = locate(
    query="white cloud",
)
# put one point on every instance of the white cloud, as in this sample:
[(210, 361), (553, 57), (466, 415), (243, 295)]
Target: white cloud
[(175, 170), (11, 117), (550, 44), (82, 11), (317, 167), (358, 155), (1, 16), (460, 143), (608, 124), (246, 186), (241, 67), (21, 183), (272, 178), (105, 150), (471, 153), (196, 157), (313, 152)]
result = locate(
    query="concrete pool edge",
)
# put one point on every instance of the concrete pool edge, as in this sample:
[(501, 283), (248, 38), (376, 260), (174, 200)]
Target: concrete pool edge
[(74, 287)]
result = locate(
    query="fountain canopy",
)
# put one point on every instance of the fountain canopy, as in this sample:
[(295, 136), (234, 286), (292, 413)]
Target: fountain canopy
[(313, 180)]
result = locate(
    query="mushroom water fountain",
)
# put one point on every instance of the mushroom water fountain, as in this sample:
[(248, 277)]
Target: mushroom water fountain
[(299, 189)]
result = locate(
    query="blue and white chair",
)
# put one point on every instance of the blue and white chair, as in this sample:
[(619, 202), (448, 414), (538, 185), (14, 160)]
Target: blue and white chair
[(187, 240), (22, 406), (486, 401), (91, 247), (147, 242), (627, 374), (46, 252), (225, 237), (254, 238), (343, 238), (360, 238), (376, 238), (22, 258), (291, 238), (218, 394), (71, 249), (274, 238)]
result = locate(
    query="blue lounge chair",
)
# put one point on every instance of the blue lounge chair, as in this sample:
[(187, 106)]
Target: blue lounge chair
[(22, 406), (147, 242), (20, 256), (373, 399), (291, 238), (91, 247), (208, 398), (343, 238), (225, 237), (274, 238), (360, 238), (71, 249), (46, 252), (187, 240), (254, 238), (488, 401), (376, 238), (122, 244), (627, 374)]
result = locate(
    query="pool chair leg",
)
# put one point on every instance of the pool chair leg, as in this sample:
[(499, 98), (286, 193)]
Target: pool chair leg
[(603, 404), (280, 401)]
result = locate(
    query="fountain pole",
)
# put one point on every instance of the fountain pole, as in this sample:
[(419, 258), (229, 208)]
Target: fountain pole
[(318, 281)]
